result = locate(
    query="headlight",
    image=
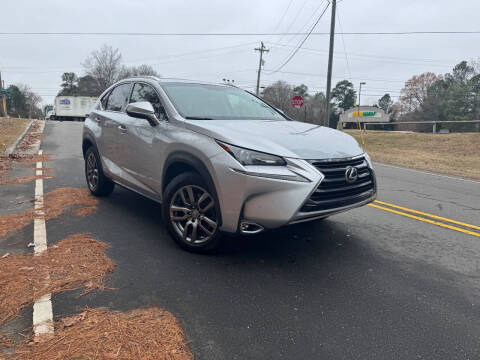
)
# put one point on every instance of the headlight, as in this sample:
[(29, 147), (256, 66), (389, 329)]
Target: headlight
[(369, 161), (250, 157)]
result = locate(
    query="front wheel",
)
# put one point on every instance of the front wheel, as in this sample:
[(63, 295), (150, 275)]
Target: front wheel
[(190, 213), (97, 182)]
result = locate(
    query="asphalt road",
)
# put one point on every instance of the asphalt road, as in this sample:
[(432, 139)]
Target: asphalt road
[(366, 284)]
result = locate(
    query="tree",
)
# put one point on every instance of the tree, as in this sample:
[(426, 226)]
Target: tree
[(23, 102), (301, 90), (385, 103), (69, 87), (316, 106), (343, 95), (279, 94), (414, 93), (88, 86), (16, 102), (128, 71), (103, 65)]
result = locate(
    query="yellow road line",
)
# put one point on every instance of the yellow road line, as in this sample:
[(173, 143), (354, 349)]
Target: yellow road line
[(429, 215), (426, 220)]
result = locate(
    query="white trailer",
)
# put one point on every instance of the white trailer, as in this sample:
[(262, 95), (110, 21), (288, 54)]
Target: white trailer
[(72, 107)]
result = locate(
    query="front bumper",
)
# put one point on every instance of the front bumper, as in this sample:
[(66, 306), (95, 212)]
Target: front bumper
[(245, 195)]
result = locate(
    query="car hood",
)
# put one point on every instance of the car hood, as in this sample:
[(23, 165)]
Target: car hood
[(284, 138)]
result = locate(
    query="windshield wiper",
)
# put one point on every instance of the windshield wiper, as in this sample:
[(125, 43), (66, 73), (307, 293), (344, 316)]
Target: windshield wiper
[(197, 118)]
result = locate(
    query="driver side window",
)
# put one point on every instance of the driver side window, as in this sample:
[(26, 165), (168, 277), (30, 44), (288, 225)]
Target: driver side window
[(144, 92)]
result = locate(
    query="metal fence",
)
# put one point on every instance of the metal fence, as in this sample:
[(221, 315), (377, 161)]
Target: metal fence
[(427, 126)]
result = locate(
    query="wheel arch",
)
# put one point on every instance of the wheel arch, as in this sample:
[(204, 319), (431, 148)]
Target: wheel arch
[(87, 142), (180, 162)]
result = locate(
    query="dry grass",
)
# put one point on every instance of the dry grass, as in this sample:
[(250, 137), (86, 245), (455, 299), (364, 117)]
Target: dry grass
[(455, 154), (7, 162), (76, 261), (56, 202), (10, 130), (148, 334)]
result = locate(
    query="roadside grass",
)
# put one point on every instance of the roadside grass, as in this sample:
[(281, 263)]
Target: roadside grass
[(454, 154), (10, 130)]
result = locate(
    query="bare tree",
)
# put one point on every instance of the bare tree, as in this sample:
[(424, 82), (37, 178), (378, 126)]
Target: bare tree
[(32, 99), (414, 93), (128, 71), (103, 65), (279, 94)]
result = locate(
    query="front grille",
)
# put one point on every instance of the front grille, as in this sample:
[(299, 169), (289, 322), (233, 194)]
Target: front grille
[(334, 191)]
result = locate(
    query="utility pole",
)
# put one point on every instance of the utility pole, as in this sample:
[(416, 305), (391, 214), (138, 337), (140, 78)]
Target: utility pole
[(3, 110), (262, 49), (330, 62)]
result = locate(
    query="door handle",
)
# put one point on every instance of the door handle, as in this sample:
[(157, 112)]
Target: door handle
[(122, 129)]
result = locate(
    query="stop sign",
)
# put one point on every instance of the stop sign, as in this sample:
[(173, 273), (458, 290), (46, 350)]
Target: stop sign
[(297, 101)]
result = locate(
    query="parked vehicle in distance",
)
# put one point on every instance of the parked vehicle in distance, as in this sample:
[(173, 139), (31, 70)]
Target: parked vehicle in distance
[(219, 159), (50, 114), (72, 107)]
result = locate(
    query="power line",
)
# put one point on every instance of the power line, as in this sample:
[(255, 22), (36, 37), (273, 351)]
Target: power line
[(299, 45), (306, 25), (379, 58), (295, 18), (34, 33), (283, 16)]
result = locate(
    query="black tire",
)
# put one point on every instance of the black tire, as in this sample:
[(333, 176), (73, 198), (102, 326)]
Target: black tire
[(97, 182), (197, 217)]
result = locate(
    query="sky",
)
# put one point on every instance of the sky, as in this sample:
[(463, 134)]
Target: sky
[(384, 62)]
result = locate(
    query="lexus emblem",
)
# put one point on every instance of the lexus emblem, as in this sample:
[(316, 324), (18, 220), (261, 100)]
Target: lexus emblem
[(351, 174)]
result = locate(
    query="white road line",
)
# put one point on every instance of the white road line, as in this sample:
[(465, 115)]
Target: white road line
[(42, 309), (426, 172)]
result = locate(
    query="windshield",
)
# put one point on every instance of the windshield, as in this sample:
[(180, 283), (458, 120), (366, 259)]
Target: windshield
[(215, 102)]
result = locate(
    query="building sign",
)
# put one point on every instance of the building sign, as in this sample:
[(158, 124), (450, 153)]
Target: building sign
[(364, 113)]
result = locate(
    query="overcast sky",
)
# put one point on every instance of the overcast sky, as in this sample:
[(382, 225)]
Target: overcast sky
[(383, 61)]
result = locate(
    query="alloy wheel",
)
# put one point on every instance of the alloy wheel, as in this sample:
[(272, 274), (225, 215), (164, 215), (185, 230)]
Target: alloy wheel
[(192, 214), (92, 171)]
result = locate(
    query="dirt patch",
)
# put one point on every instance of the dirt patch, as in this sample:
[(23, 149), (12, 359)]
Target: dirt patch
[(32, 137), (55, 203), (75, 262), (25, 179), (85, 211), (7, 162), (5, 341), (148, 334), (10, 130), (454, 154)]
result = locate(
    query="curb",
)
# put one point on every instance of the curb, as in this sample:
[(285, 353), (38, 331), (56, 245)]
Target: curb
[(12, 147)]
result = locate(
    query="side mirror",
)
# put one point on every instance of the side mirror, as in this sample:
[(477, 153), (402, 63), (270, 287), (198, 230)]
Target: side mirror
[(143, 110)]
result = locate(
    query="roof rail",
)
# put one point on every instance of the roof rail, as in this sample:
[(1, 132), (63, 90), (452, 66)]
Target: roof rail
[(143, 76)]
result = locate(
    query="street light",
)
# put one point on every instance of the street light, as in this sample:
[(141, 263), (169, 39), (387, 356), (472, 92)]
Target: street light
[(360, 93)]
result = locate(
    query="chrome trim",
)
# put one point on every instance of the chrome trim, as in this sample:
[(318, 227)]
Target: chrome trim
[(295, 177), (335, 159), (259, 228), (303, 217)]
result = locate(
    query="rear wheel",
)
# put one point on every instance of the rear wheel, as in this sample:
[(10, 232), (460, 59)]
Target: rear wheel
[(97, 182), (191, 213)]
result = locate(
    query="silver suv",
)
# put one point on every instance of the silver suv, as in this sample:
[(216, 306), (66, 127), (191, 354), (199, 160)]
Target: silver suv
[(219, 159)]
